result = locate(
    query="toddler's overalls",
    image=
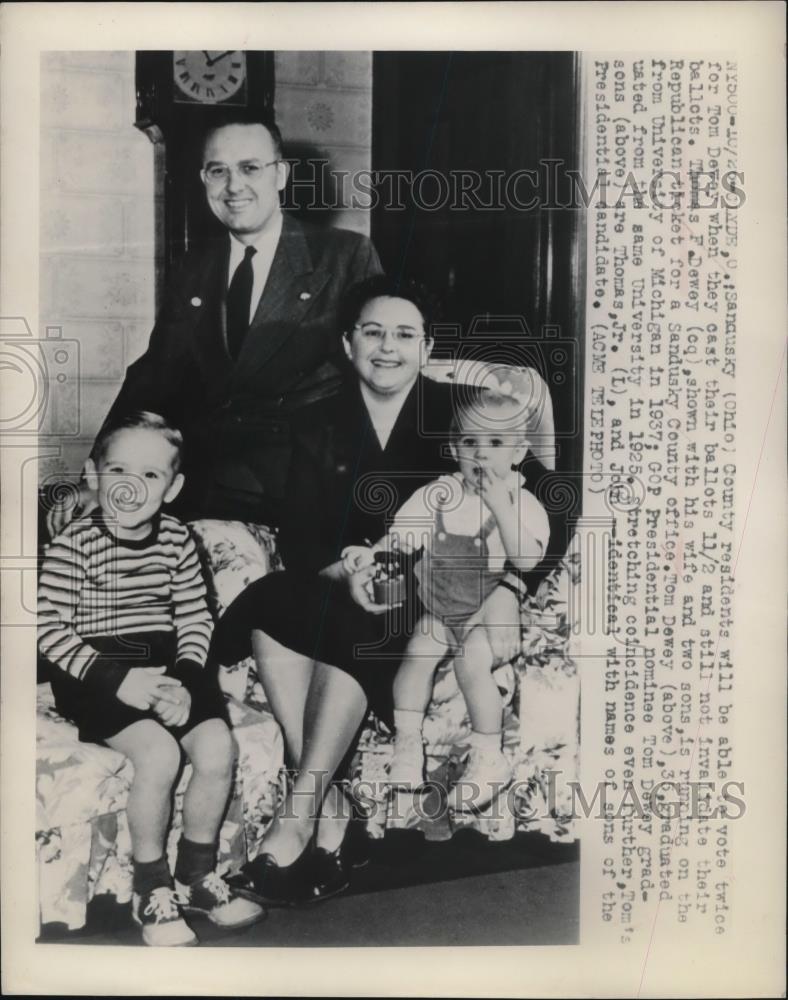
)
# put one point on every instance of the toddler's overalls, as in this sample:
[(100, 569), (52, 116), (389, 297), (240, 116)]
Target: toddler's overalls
[(453, 575)]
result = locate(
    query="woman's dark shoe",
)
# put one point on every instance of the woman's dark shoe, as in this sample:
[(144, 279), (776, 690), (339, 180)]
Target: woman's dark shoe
[(315, 875), (355, 846), (264, 881), (331, 869), (329, 873)]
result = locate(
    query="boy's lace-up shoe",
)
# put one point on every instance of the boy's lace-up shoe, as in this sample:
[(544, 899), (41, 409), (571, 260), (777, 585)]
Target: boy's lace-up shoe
[(159, 915), (213, 898)]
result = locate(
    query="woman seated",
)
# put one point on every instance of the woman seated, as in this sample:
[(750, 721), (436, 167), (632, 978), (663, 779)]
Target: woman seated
[(325, 652)]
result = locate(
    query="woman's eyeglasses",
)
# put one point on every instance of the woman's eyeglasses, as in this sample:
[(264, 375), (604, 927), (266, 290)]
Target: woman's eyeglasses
[(400, 334), (219, 173)]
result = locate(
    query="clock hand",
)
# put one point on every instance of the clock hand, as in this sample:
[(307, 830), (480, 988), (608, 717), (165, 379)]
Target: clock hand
[(212, 62)]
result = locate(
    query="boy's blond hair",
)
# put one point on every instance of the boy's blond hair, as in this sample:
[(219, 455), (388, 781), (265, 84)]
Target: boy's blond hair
[(144, 420)]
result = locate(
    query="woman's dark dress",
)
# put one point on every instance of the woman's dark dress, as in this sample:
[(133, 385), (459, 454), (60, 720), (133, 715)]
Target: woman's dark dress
[(344, 489)]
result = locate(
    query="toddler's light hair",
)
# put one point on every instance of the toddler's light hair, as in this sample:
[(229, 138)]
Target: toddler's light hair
[(489, 410)]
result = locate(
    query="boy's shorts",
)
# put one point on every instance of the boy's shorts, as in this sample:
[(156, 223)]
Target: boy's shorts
[(99, 716)]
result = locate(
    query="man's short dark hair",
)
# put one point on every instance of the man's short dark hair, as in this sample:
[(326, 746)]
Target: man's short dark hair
[(244, 116), (145, 420), (382, 286)]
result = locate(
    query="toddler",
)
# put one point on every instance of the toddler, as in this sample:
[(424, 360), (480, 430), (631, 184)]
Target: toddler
[(123, 616), (466, 526)]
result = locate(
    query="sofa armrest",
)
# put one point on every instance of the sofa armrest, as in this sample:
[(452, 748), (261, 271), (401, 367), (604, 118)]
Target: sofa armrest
[(233, 555)]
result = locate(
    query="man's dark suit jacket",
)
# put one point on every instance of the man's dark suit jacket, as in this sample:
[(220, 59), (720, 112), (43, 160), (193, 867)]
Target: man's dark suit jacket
[(236, 415)]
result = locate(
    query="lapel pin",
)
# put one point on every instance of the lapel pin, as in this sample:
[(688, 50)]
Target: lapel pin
[(196, 301), (304, 296)]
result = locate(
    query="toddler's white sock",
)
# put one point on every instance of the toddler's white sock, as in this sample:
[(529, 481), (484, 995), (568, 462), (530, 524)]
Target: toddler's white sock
[(489, 742), (407, 720)]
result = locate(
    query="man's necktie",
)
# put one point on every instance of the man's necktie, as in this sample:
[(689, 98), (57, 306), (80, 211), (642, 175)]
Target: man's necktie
[(239, 301)]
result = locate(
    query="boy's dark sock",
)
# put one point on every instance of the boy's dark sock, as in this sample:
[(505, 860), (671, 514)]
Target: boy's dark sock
[(194, 861), (150, 875)]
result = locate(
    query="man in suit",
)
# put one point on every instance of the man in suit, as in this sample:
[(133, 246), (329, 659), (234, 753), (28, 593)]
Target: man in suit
[(248, 333)]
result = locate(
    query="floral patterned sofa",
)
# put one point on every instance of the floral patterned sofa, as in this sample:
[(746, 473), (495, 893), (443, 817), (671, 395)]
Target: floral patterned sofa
[(82, 840)]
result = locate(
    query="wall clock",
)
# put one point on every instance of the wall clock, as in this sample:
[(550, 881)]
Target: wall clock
[(204, 77)]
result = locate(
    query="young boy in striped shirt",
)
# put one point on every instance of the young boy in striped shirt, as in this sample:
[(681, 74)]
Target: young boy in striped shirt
[(122, 614)]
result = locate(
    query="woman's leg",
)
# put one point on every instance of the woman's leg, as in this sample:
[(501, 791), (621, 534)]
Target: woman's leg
[(156, 757), (335, 814), (285, 676), (335, 708)]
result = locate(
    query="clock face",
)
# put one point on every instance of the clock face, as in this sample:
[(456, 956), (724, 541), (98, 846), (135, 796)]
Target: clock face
[(208, 77)]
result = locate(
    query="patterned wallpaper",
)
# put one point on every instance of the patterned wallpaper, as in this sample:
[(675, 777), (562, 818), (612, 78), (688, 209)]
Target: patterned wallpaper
[(97, 217), (324, 104)]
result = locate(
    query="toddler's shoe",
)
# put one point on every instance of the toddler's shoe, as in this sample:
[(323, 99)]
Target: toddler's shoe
[(406, 768), (487, 774), (160, 917), (213, 898)]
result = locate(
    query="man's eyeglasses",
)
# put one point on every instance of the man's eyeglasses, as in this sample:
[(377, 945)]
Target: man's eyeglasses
[(400, 334), (219, 173)]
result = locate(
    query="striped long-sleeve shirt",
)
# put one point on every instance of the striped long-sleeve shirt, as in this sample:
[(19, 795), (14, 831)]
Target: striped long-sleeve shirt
[(93, 584)]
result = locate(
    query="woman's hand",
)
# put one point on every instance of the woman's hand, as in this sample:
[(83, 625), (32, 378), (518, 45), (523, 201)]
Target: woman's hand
[(360, 584), (356, 557), (501, 616)]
